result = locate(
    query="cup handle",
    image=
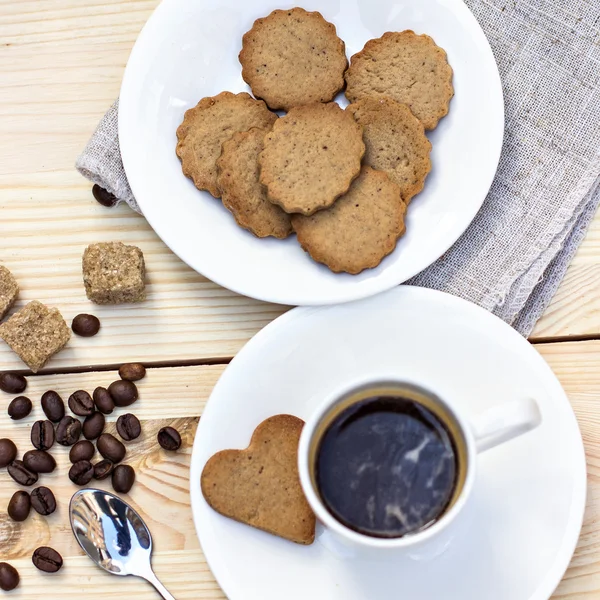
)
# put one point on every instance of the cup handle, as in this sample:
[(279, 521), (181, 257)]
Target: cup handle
[(505, 422)]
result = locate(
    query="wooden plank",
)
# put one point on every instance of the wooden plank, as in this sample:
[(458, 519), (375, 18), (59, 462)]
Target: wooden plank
[(178, 395)]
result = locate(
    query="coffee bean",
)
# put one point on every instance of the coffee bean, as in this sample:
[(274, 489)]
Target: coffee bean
[(8, 452), (123, 392), (9, 577), (11, 383), (111, 448), (81, 472), (53, 406), (43, 501), (42, 435), (93, 426), (103, 469), (85, 325), (169, 439), (128, 427), (19, 506), (19, 472), (38, 461), (103, 400), (82, 450), (123, 478), (132, 371), (19, 408), (103, 196), (81, 403), (68, 431), (47, 559)]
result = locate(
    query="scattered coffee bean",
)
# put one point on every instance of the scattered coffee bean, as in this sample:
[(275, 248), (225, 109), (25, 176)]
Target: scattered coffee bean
[(132, 371), (43, 501), (38, 461), (42, 435), (169, 439), (11, 383), (81, 472), (47, 559), (19, 506), (123, 478), (21, 474), (82, 450), (123, 392), (9, 577), (103, 196), (93, 426), (81, 403), (129, 427), (111, 448), (8, 452), (68, 431), (103, 400), (103, 469), (53, 406), (85, 325), (19, 408)]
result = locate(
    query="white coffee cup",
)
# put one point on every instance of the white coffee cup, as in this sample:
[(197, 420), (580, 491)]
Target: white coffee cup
[(471, 437)]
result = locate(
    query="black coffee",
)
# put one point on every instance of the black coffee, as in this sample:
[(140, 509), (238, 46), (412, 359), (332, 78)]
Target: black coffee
[(386, 466)]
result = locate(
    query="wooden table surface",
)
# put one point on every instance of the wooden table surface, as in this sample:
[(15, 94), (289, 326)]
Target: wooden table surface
[(61, 63)]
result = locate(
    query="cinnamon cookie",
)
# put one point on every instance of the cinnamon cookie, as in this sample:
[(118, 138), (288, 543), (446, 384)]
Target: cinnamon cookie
[(242, 193), (311, 157), (395, 141), (360, 229), (211, 122), (293, 57), (406, 67), (260, 486)]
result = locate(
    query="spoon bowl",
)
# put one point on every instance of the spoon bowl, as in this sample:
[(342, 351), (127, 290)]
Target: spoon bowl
[(113, 535)]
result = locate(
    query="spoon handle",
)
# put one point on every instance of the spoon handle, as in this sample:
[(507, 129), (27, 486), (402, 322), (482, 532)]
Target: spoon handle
[(160, 588)]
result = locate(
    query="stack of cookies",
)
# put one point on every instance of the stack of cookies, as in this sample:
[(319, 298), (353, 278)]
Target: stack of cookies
[(340, 179)]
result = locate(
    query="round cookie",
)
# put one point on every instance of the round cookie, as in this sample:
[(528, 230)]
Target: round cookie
[(406, 67), (311, 157), (396, 142), (293, 57), (360, 229), (241, 192), (211, 122)]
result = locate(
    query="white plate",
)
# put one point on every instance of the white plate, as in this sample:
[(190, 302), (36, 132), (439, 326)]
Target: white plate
[(529, 495), (188, 50)]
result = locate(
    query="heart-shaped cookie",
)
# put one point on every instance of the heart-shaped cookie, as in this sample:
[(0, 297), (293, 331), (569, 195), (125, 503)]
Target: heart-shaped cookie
[(260, 485)]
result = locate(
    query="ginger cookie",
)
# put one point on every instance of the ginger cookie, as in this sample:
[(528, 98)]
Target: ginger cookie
[(260, 486), (241, 192), (360, 229), (206, 126), (293, 57), (311, 157), (396, 142), (406, 67)]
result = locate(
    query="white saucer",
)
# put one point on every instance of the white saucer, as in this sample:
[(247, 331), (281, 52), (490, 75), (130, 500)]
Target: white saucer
[(529, 494), (189, 49)]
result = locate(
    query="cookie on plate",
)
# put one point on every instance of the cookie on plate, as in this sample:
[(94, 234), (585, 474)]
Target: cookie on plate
[(396, 142), (293, 57), (311, 157), (360, 229), (406, 67), (211, 122), (260, 486), (241, 192)]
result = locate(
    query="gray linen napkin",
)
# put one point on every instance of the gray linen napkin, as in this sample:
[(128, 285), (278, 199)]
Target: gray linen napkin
[(547, 189)]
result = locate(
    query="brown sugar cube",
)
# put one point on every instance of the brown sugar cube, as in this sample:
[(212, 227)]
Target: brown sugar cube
[(9, 290), (113, 273), (36, 333)]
